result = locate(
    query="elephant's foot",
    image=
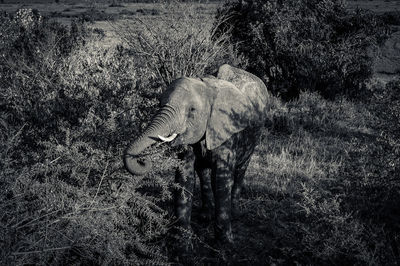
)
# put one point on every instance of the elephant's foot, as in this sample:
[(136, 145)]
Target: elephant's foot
[(235, 211), (184, 260), (182, 249), (206, 215), (224, 238), (237, 214), (225, 246), (183, 252)]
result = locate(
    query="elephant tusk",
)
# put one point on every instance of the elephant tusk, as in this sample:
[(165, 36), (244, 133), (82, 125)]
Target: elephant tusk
[(168, 139)]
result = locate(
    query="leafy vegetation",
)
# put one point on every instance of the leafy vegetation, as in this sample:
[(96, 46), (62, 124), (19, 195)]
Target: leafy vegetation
[(67, 107), (322, 188), (305, 45)]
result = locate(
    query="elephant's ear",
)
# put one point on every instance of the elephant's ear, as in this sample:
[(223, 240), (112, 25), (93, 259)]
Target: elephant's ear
[(229, 113)]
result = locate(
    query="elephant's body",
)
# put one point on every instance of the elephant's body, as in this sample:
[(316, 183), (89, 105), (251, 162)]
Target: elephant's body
[(219, 119)]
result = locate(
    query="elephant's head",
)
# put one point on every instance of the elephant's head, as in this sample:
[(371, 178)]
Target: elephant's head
[(194, 109)]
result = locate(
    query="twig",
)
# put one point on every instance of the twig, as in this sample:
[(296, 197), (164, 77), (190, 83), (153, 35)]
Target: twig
[(19, 226), (55, 160), (40, 251), (14, 137), (98, 188), (73, 215)]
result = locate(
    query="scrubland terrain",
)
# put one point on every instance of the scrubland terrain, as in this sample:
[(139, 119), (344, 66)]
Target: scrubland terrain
[(322, 187)]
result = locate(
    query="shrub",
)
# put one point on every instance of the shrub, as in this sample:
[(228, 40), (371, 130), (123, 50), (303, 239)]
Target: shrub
[(382, 188), (148, 11), (391, 17), (304, 45), (67, 106), (177, 44), (94, 14), (116, 3), (32, 47)]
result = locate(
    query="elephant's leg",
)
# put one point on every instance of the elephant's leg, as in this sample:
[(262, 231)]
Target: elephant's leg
[(245, 148), (185, 178), (222, 179), (203, 170), (207, 196), (237, 185)]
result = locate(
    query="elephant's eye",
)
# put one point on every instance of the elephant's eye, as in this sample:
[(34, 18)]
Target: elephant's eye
[(192, 112)]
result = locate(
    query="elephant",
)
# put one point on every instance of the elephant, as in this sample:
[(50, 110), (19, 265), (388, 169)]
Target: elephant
[(219, 120)]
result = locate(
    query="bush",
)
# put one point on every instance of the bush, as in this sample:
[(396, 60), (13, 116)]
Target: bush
[(391, 17), (94, 14), (32, 47), (177, 44), (67, 106), (148, 11), (304, 45), (382, 188)]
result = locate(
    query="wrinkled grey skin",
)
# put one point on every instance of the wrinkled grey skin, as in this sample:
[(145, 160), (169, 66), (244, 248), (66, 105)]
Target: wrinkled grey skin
[(219, 119)]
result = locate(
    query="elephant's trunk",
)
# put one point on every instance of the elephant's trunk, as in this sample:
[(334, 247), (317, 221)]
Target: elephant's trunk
[(163, 124)]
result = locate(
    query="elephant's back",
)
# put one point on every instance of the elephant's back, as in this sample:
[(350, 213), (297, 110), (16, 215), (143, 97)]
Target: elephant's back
[(239, 77), (247, 83)]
